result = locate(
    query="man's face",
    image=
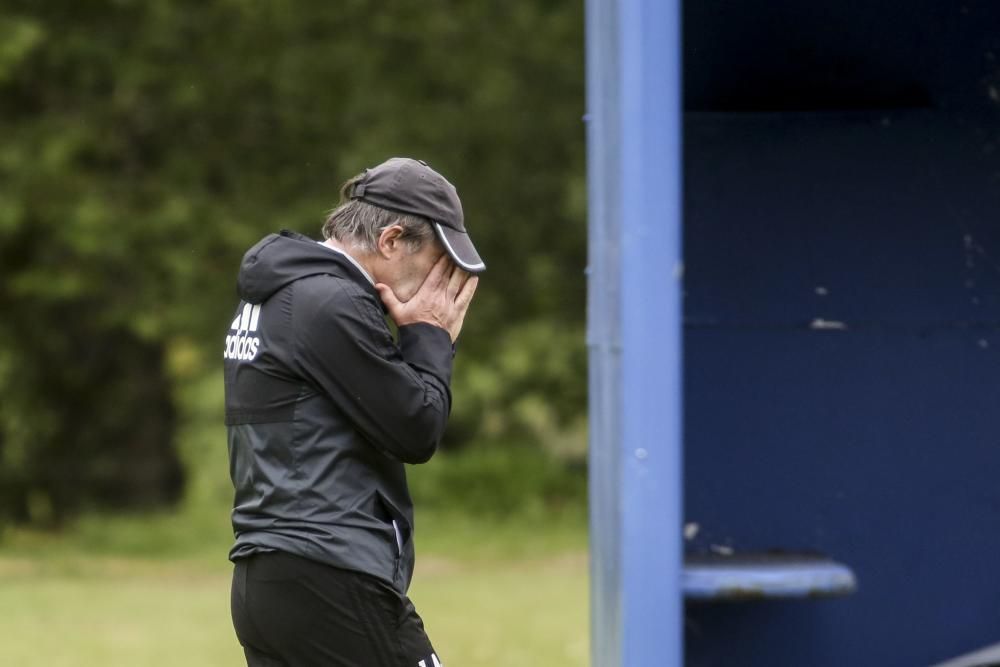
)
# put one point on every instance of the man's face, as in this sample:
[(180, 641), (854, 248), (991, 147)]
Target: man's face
[(411, 268)]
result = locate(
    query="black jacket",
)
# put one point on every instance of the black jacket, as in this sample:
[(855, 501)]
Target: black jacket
[(323, 408)]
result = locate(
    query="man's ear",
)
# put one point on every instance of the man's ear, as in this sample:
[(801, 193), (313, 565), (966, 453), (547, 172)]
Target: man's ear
[(389, 242)]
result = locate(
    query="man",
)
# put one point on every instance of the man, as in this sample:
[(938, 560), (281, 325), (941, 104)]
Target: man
[(324, 408)]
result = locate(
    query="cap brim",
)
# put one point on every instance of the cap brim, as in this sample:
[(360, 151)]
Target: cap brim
[(460, 248)]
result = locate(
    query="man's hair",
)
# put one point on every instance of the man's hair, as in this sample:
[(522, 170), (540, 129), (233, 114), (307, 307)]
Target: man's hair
[(358, 224)]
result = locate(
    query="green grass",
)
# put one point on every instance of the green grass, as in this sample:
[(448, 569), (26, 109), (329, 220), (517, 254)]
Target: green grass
[(112, 612), (490, 592), (531, 612)]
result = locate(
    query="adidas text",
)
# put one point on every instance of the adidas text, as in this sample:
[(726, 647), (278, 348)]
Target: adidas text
[(243, 346)]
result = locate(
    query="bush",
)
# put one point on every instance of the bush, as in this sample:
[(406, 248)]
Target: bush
[(499, 481)]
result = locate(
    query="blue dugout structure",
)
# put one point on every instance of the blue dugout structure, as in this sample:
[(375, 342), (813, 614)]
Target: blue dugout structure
[(839, 315)]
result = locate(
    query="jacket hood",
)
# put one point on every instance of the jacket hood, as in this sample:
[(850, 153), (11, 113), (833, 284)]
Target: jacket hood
[(279, 259)]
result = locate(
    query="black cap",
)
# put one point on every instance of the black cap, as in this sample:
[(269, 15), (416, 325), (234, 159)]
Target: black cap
[(411, 186)]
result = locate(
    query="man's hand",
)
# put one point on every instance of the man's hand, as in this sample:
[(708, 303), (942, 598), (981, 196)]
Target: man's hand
[(442, 299)]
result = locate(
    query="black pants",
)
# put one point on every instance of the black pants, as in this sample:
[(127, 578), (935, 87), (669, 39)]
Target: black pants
[(293, 612)]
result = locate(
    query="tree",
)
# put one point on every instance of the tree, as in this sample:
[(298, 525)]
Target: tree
[(148, 144)]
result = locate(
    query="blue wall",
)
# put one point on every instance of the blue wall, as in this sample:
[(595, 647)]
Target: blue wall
[(877, 443)]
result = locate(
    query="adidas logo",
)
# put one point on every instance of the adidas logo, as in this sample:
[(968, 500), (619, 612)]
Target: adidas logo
[(243, 347)]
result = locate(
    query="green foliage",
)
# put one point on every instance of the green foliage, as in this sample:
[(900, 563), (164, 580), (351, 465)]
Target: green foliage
[(71, 435), (499, 482), (477, 502), (148, 143), (530, 388)]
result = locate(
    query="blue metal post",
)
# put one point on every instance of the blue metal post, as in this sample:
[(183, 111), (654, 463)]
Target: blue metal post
[(634, 331), (652, 607)]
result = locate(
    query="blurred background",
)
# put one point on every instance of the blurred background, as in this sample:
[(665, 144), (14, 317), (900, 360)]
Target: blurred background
[(146, 145)]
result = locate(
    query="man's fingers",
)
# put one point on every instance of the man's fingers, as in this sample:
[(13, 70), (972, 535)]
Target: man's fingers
[(389, 298), (468, 290), (461, 305), (456, 282), (437, 273)]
